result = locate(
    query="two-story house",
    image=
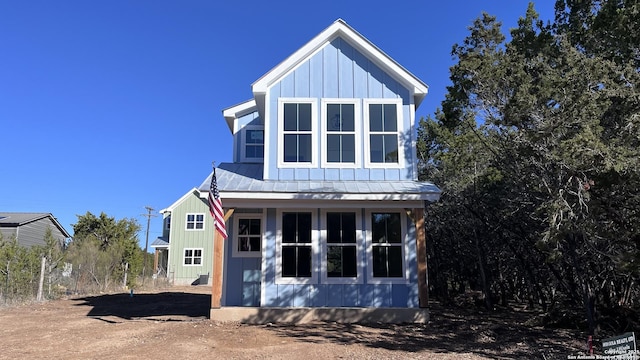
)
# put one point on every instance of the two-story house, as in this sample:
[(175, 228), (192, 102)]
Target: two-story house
[(327, 216), (183, 252)]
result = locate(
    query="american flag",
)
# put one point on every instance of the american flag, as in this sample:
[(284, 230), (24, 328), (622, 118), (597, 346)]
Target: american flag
[(215, 206)]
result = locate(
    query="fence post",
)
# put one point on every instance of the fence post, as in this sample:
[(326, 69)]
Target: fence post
[(41, 282)]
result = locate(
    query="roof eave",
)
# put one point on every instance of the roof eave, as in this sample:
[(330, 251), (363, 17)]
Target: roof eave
[(232, 113), (241, 195)]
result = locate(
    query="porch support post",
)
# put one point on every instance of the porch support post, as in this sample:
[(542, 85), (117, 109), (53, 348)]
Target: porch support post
[(421, 248), (155, 261), (218, 258)]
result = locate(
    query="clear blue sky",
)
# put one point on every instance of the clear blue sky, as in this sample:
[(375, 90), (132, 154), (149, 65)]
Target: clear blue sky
[(111, 106)]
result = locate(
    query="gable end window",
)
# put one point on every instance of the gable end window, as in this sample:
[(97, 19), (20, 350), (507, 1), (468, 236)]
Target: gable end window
[(297, 124), (195, 222), (383, 133), (340, 133)]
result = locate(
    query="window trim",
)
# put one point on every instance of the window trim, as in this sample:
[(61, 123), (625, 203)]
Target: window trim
[(313, 133), (247, 254), (280, 280), (184, 257), (404, 248), (357, 118), (243, 145), (360, 245), (400, 129), (186, 222)]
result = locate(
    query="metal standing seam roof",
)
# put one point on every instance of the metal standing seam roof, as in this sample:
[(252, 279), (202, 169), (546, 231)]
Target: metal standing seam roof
[(160, 242), (248, 178)]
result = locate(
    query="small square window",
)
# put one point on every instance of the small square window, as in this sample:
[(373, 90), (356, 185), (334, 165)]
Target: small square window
[(192, 257), (254, 144), (248, 236), (195, 222)]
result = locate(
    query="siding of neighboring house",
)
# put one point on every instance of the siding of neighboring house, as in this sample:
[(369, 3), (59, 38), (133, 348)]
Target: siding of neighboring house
[(181, 239), (339, 71), (32, 232)]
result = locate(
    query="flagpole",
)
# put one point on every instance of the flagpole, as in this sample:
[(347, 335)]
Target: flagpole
[(218, 252)]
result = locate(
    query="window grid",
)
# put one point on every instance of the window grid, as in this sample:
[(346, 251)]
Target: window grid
[(387, 258), (341, 256), (297, 252), (341, 134), (192, 257), (195, 222), (383, 133), (248, 238), (254, 144), (297, 133)]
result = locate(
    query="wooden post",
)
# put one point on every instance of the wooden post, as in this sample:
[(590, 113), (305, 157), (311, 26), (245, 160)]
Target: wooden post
[(218, 258), (421, 249), (155, 262)]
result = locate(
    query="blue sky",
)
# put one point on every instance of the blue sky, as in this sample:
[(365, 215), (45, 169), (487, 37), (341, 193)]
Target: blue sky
[(111, 106)]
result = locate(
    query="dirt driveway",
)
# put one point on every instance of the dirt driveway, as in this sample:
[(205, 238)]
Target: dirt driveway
[(173, 324)]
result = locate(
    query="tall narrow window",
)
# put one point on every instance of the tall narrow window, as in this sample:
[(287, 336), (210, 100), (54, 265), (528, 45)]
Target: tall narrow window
[(386, 245), (340, 135), (341, 245), (296, 245), (297, 133), (383, 133)]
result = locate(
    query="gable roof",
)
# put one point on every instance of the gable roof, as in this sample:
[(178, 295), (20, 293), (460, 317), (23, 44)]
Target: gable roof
[(171, 207), (16, 219), (340, 28), (233, 112)]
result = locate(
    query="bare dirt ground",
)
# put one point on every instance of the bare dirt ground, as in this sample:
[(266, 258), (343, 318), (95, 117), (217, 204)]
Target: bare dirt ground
[(173, 324)]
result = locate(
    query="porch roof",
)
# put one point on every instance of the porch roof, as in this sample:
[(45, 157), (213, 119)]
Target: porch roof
[(159, 242), (239, 180)]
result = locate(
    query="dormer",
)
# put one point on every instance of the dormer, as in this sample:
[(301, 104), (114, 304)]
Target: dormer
[(247, 128)]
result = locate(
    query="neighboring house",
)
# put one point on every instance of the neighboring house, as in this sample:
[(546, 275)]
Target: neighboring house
[(30, 228), (183, 252), (323, 192)]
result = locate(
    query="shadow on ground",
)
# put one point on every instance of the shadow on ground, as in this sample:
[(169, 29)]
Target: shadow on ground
[(156, 306), (501, 335)]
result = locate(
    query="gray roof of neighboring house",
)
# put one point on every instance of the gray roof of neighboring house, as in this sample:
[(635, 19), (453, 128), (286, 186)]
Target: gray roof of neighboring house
[(15, 219), (238, 177)]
